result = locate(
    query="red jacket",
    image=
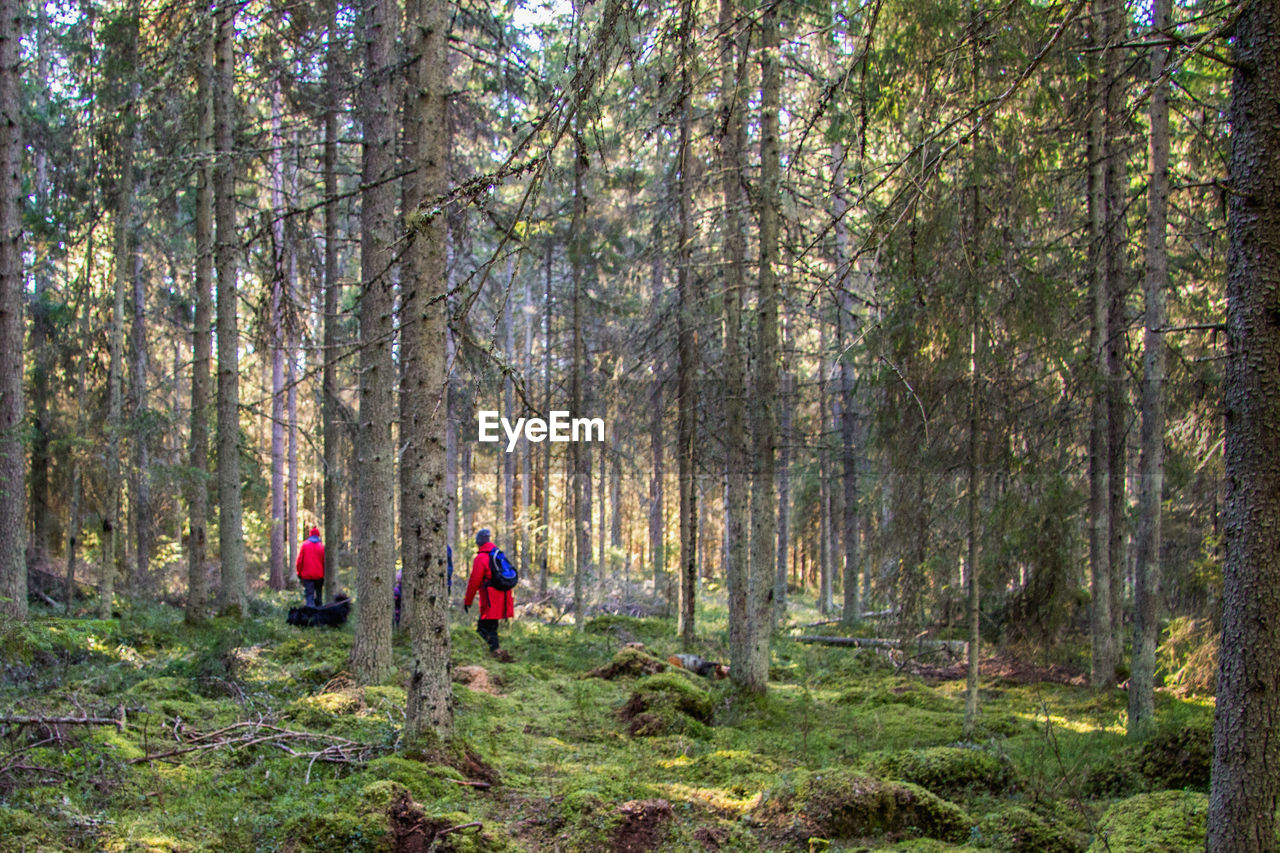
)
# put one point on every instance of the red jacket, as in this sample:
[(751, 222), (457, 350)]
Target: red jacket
[(493, 604), (310, 564)]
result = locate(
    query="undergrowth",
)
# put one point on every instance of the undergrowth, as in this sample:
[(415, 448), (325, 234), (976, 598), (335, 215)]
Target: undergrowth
[(251, 736)]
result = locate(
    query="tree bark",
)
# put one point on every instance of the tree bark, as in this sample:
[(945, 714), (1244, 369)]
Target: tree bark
[(423, 392), (276, 330), (581, 458), (13, 507), (764, 521), (544, 520), (687, 370), (852, 609), (123, 263), (201, 345), (234, 594), (733, 50), (140, 501), (1146, 585), (375, 451), (1246, 754), (332, 299), (1103, 657)]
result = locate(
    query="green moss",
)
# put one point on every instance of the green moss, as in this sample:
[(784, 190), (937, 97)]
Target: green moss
[(629, 662), (1178, 756), (667, 703), (629, 629), (426, 783), (1014, 829), (321, 831), (945, 770), (1163, 822), (911, 693), (728, 767), (844, 804)]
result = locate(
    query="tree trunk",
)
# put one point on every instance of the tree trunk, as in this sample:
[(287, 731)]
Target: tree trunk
[(732, 58), (826, 555), (141, 490), (13, 508), (201, 345), (657, 409), (423, 392), (234, 595), (1246, 753), (581, 459), (1103, 657), (764, 540), (852, 609), (332, 299), (508, 410), (1146, 585), (1114, 243), (123, 262), (73, 520), (545, 516), (687, 370), (42, 516), (276, 324), (375, 451)]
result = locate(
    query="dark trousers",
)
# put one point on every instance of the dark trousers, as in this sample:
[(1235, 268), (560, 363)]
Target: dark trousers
[(314, 592), (488, 628)]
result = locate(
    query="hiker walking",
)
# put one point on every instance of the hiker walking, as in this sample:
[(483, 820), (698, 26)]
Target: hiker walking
[(494, 604), (310, 568)]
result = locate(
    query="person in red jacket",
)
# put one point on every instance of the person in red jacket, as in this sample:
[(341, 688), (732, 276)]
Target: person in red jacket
[(310, 568), (494, 605)]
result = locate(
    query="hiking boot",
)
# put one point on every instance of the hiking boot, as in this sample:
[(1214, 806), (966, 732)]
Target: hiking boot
[(501, 655)]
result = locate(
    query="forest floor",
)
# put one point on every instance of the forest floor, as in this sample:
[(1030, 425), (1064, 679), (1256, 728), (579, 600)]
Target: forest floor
[(251, 736)]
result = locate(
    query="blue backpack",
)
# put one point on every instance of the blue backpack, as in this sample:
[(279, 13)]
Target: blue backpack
[(502, 575)]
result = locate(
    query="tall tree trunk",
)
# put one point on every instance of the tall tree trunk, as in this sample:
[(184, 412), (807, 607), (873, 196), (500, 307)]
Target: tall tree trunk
[(826, 555), (423, 392), (581, 458), (508, 410), (73, 520), (140, 492), (1114, 243), (276, 323), (13, 508), (123, 262), (786, 405), (545, 515), (1146, 585), (234, 594), (657, 407), (42, 516), (526, 477), (1103, 657), (852, 609), (1246, 753), (375, 451), (687, 370), (764, 521), (201, 345), (732, 60), (332, 299)]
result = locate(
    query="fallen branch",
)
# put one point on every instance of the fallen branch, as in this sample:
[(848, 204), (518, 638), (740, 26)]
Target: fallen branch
[(954, 647), (118, 722), (468, 782)]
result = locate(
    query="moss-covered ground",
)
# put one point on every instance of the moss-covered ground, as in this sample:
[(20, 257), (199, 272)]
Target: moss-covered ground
[(246, 736)]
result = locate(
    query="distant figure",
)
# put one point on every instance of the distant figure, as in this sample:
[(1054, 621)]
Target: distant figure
[(494, 605), (395, 618), (310, 568)]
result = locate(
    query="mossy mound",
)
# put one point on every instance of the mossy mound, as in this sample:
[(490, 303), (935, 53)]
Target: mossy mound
[(842, 804), (1018, 830), (629, 663), (1163, 822), (628, 628), (909, 693), (945, 770), (1178, 756), (667, 703), (729, 767)]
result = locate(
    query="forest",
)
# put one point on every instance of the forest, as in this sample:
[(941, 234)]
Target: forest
[(875, 397)]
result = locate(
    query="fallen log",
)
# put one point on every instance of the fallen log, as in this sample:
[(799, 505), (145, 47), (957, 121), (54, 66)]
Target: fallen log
[(954, 647)]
